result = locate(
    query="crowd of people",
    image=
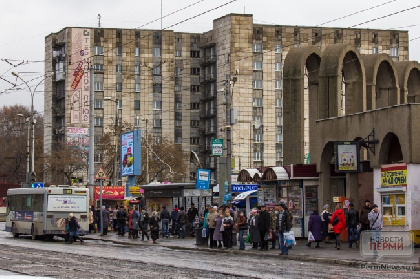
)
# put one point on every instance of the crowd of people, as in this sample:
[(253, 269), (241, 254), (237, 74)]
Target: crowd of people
[(224, 227)]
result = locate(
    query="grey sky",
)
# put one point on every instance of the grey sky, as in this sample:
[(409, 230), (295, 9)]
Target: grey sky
[(25, 23)]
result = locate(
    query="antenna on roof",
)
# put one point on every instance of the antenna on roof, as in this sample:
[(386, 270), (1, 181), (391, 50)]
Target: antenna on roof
[(244, 9), (99, 20)]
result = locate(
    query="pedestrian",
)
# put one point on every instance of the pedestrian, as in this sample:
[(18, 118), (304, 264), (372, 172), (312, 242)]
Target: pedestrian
[(91, 220), (243, 229), (283, 226), (235, 229), (227, 229), (254, 237), (273, 223), (326, 218), (364, 219), (192, 213), (130, 224), (74, 227), (181, 220), (105, 218), (338, 221), (121, 217), (218, 229), (165, 217), (154, 227), (115, 220), (144, 221), (352, 219), (211, 223), (315, 227), (97, 218), (174, 217), (376, 225), (264, 227), (135, 220)]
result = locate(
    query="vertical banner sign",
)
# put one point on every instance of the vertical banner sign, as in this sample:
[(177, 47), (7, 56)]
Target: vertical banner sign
[(346, 156), (127, 154), (79, 76), (203, 179), (78, 137), (217, 147)]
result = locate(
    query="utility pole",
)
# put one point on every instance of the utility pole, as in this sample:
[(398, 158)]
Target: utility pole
[(147, 152), (91, 134)]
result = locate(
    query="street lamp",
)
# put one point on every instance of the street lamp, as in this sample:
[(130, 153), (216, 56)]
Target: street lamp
[(115, 173), (27, 146), (31, 172), (147, 151)]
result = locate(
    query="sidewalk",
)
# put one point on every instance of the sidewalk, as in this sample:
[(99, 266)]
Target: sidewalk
[(326, 254)]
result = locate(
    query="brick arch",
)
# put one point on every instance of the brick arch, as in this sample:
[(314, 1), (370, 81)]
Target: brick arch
[(390, 150), (338, 61), (294, 73), (382, 88), (409, 81)]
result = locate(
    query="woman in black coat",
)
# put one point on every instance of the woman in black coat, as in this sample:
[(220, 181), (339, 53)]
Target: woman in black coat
[(326, 216), (315, 227), (154, 227)]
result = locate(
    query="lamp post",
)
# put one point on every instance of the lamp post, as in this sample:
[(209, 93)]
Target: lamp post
[(27, 146), (147, 151), (115, 173), (30, 175)]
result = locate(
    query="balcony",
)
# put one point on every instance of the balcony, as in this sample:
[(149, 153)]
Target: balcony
[(208, 60), (59, 75), (209, 94), (208, 78), (60, 94), (208, 113)]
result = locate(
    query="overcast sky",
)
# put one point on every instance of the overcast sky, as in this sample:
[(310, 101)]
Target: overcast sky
[(25, 23)]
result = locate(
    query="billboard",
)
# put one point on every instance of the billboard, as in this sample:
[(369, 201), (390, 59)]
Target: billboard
[(77, 137), (109, 192), (346, 156), (79, 76), (131, 153)]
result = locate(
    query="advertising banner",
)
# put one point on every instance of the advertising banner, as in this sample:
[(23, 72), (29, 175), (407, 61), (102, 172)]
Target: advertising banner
[(77, 137), (244, 187), (394, 175), (67, 203), (127, 155), (110, 192), (346, 156), (79, 75), (203, 179)]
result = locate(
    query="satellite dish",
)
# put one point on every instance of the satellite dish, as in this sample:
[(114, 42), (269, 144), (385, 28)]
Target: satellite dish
[(257, 124)]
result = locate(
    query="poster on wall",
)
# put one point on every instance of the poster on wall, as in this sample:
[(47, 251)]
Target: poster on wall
[(394, 175), (79, 74), (346, 156), (67, 203)]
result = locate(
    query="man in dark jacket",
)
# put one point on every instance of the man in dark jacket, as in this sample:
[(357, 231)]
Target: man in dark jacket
[(192, 212), (263, 226), (144, 221), (181, 220), (121, 218), (352, 219), (165, 217), (364, 221), (283, 226), (174, 217)]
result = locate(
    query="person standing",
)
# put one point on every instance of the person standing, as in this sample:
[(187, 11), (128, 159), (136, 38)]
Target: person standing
[(210, 220), (315, 227), (326, 221), (218, 233), (283, 226), (181, 220), (273, 224), (338, 221), (227, 229), (105, 218), (91, 220), (174, 217), (192, 213), (154, 227), (376, 225), (135, 220), (352, 219), (243, 228), (364, 219), (121, 217), (130, 223), (165, 216), (263, 226), (115, 220), (253, 229), (144, 221)]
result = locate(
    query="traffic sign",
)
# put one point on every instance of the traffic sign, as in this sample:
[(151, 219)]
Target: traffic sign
[(101, 174), (203, 179), (217, 147), (38, 185)]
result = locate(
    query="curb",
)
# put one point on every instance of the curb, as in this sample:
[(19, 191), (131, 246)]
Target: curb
[(352, 263)]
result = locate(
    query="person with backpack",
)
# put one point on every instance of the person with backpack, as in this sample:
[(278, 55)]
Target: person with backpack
[(282, 226), (165, 216), (174, 217), (352, 219), (338, 221), (181, 220)]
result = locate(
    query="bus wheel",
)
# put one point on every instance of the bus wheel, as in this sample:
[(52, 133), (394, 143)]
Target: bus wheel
[(34, 236), (14, 231), (48, 238)]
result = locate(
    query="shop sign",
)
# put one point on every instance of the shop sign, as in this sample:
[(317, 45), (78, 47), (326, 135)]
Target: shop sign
[(196, 193), (394, 175), (134, 190), (163, 193), (110, 192), (244, 187)]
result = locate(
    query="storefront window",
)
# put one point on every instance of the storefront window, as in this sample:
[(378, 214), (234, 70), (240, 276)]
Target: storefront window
[(393, 209)]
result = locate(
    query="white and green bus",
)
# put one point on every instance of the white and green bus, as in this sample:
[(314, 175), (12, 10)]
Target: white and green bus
[(42, 212)]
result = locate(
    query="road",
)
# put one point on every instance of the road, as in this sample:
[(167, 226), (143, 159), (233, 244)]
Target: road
[(97, 259)]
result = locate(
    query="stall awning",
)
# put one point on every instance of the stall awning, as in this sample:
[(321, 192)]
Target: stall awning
[(244, 195)]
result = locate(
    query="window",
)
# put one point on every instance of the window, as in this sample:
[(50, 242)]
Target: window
[(374, 50), (195, 88), (257, 48), (178, 53), (98, 158), (157, 105), (278, 102), (137, 105), (257, 102), (178, 105), (136, 69), (195, 105), (157, 123), (156, 52), (178, 123), (99, 86), (98, 50), (257, 138), (137, 51), (99, 121), (118, 68), (279, 138), (278, 84), (195, 54), (98, 67), (393, 209), (137, 87), (195, 71), (257, 84), (157, 88), (119, 86), (195, 140), (277, 48), (99, 104), (178, 71), (177, 88), (119, 50), (195, 123), (137, 121), (278, 66), (257, 65), (257, 156), (157, 71), (119, 104), (393, 52), (278, 155)]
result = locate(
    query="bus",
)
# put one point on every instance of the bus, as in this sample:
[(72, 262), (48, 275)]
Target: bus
[(42, 212)]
